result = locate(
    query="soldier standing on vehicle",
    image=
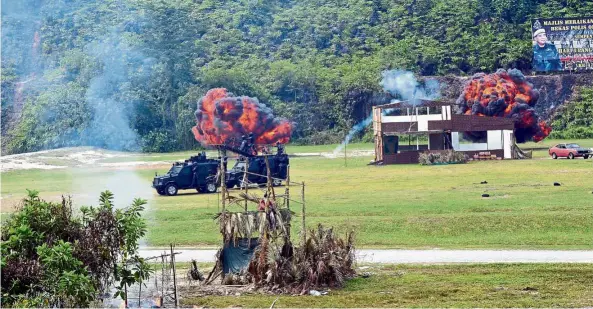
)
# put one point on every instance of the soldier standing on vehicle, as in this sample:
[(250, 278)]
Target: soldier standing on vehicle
[(545, 55)]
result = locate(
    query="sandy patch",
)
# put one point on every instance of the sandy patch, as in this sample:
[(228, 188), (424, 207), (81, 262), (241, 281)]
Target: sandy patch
[(58, 158), (92, 156), (24, 164)]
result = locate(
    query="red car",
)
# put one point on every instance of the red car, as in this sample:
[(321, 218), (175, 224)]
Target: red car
[(569, 151)]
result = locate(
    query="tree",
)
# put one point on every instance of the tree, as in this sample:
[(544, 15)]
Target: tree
[(575, 120)]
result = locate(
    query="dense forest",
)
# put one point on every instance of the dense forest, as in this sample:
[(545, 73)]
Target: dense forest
[(127, 74)]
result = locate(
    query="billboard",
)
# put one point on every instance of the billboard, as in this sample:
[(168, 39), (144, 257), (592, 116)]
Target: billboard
[(562, 44)]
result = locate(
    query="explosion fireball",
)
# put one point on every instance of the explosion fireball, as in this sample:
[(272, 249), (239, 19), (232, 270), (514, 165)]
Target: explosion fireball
[(504, 94), (221, 118)]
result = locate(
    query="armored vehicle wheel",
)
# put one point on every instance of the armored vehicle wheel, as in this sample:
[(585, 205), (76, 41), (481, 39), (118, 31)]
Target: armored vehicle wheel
[(171, 189), (571, 155), (211, 187), (231, 184), (277, 182), (554, 156)]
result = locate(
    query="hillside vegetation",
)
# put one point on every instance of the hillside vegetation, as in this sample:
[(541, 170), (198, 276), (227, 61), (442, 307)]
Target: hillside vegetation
[(127, 74)]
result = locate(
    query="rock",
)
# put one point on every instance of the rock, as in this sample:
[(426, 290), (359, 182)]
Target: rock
[(314, 293), (483, 182), (556, 184), (485, 195), (366, 274)]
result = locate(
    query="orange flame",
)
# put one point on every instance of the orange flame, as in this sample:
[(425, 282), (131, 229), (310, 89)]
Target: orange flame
[(221, 117), (505, 94)]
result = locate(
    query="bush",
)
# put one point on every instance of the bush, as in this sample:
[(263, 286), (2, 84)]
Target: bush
[(443, 157), (51, 258)]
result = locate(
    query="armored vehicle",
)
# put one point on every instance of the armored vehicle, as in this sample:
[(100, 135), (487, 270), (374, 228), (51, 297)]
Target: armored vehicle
[(198, 172), (257, 165)]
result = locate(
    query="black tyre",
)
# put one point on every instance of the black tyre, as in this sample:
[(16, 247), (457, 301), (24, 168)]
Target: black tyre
[(586, 157), (231, 184), (571, 156), (171, 189), (554, 156), (160, 192), (211, 187)]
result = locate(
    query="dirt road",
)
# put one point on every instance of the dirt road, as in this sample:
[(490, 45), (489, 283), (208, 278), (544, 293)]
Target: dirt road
[(425, 256)]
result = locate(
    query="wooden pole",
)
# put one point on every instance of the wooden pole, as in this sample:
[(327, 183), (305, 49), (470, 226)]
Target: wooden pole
[(345, 155), (140, 295), (126, 287), (269, 175), (174, 278), (245, 180), (287, 189), (223, 180), (303, 228), (162, 276)]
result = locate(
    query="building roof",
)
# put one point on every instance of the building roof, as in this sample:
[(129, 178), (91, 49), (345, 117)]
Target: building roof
[(420, 103)]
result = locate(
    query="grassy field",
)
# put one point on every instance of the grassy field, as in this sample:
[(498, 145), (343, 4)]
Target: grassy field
[(397, 206), (482, 286)]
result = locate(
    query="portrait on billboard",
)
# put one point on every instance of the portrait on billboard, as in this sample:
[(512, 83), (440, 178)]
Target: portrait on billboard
[(562, 44), (545, 54)]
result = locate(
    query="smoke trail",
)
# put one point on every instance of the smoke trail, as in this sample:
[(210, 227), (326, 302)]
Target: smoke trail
[(357, 128)]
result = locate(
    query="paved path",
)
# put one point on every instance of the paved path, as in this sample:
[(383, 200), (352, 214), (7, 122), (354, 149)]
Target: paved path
[(425, 256)]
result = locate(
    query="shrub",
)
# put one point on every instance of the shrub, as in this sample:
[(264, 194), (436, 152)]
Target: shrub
[(442, 157), (51, 258)]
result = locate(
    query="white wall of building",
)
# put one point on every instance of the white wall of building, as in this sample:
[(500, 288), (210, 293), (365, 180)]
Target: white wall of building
[(507, 136), (494, 139)]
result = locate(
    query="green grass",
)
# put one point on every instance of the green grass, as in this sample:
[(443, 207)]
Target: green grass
[(547, 143), (396, 206), (484, 286)]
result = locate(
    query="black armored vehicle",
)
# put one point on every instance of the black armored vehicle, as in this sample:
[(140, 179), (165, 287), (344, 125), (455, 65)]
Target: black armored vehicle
[(257, 171), (198, 172)]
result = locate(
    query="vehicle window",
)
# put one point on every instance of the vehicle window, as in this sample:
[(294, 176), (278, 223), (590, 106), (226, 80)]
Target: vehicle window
[(573, 146), (175, 169), (561, 146), (186, 170)]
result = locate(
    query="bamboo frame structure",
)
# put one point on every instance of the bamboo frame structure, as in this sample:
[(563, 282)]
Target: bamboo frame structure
[(245, 196)]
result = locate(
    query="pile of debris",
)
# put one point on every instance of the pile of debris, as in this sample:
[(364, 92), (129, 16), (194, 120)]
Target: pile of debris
[(442, 157), (324, 261)]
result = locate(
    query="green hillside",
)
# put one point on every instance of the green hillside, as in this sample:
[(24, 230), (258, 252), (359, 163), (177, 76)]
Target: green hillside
[(127, 74)]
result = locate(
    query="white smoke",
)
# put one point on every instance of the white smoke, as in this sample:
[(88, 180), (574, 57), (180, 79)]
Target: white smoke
[(405, 86)]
